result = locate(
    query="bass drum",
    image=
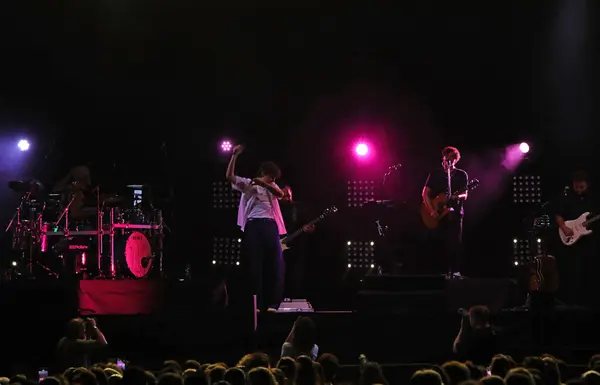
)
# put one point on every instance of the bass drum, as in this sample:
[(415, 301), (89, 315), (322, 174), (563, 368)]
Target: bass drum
[(134, 254)]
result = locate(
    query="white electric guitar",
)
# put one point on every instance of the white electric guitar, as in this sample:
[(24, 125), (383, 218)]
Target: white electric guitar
[(285, 241), (579, 227)]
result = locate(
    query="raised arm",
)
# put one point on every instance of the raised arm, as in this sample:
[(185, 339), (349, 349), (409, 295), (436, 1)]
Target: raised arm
[(97, 339), (465, 327), (230, 174)]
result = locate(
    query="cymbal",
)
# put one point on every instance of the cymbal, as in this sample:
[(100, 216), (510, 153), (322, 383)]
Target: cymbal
[(105, 199), (25, 186), (111, 199)]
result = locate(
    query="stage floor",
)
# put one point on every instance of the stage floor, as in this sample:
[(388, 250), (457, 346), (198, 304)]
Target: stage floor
[(155, 320), (377, 294)]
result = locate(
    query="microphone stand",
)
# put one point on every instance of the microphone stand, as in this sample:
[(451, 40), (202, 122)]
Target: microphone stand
[(450, 166), (449, 170), (382, 227)]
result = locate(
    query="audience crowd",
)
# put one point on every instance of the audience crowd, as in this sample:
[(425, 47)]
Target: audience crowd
[(301, 363)]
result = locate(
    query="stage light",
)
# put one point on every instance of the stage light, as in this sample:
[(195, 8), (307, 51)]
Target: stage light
[(524, 251), (524, 147), (361, 149), (23, 145), (360, 192), (361, 254), (224, 196), (527, 189), (14, 263), (226, 146), (226, 251)]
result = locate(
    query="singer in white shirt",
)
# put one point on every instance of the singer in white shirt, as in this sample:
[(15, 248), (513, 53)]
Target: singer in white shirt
[(259, 217)]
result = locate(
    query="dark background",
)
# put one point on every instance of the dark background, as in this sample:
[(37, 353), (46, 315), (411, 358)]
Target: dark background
[(147, 89)]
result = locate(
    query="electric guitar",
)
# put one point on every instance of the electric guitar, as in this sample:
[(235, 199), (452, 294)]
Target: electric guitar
[(285, 241), (440, 205), (579, 227)]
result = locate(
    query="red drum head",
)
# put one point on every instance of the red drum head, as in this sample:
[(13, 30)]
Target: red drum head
[(138, 254)]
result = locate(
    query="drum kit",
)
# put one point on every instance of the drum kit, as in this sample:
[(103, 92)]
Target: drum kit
[(120, 237)]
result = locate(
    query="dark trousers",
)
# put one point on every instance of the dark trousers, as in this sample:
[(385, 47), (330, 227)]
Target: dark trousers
[(446, 241), (577, 265), (263, 262)]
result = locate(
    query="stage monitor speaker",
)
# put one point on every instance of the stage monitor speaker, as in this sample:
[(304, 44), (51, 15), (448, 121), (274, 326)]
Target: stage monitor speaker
[(295, 306)]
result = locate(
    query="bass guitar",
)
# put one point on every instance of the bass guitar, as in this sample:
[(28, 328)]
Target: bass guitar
[(579, 228), (441, 204), (285, 241)]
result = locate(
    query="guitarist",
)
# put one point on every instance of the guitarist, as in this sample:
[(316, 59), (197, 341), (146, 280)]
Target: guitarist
[(294, 216), (576, 261), (447, 237)]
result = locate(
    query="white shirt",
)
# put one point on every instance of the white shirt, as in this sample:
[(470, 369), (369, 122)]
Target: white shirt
[(257, 202), (287, 350)]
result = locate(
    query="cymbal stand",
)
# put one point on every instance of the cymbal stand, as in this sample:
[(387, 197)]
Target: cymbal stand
[(161, 225), (100, 236), (18, 225), (65, 214), (17, 215), (112, 242)]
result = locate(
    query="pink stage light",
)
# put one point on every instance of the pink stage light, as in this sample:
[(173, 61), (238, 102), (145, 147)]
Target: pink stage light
[(361, 149), (524, 147), (226, 146)]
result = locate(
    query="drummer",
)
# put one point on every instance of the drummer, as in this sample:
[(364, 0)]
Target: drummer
[(77, 184)]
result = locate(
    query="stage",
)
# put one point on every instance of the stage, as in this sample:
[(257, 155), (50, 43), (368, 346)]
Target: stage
[(149, 321)]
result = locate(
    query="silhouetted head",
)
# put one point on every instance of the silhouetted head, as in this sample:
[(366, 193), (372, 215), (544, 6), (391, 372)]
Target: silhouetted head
[(581, 182), (269, 172)]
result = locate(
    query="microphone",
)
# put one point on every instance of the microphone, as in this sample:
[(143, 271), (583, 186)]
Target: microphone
[(566, 190), (450, 162)]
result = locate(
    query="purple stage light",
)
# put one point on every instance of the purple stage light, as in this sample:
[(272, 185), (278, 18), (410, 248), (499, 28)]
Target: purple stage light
[(23, 145)]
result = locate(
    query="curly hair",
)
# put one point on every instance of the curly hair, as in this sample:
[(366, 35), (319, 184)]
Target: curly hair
[(449, 150), (269, 169)]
